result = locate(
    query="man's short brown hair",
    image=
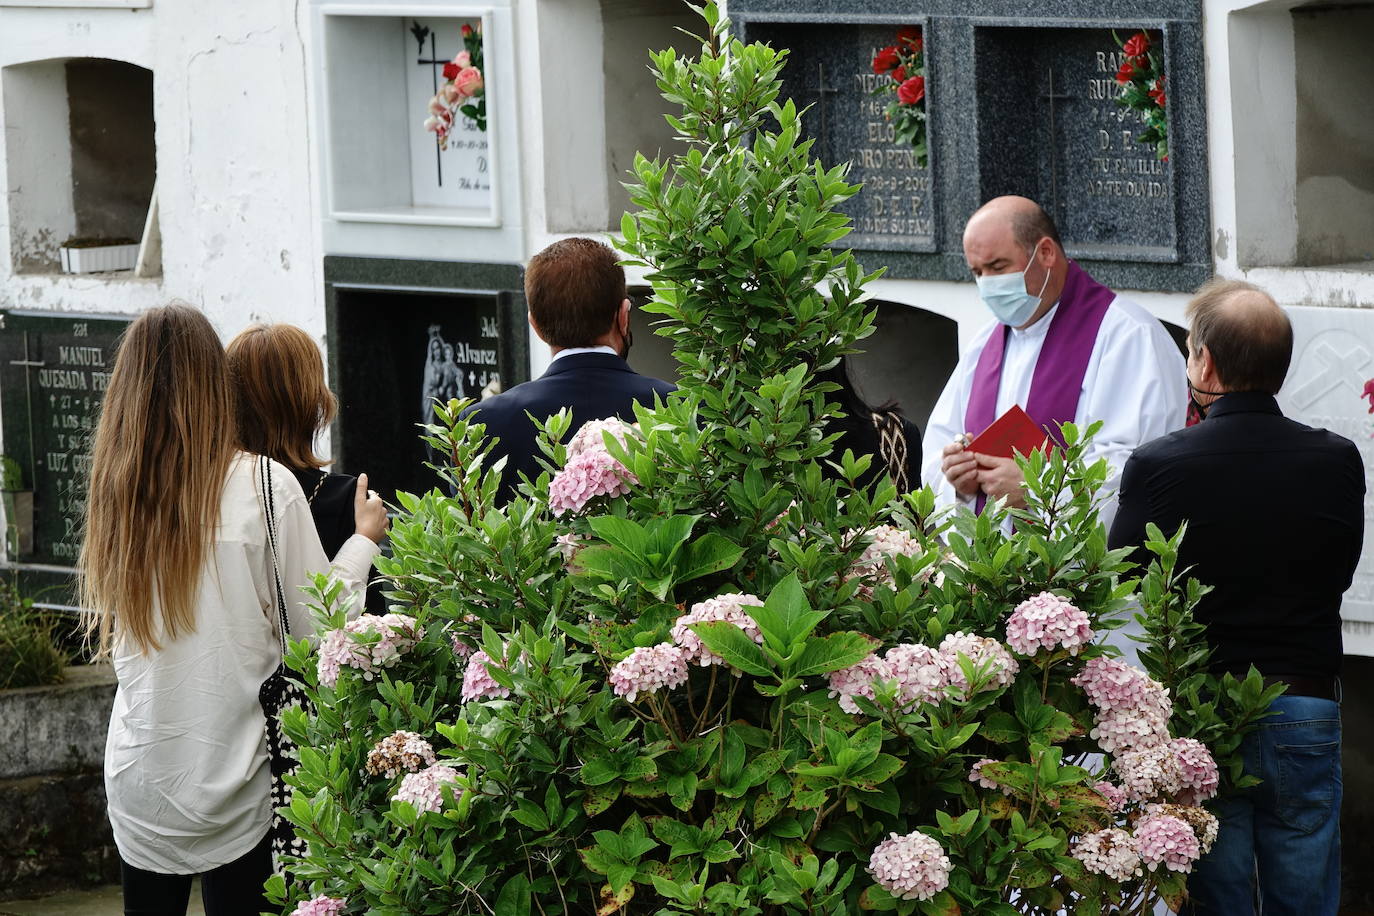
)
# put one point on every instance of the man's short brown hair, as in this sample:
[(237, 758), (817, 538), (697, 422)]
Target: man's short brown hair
[(281, 397), (1248, 335), (574, 289)]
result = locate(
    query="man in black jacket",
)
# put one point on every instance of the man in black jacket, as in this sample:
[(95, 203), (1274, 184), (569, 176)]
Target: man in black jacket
[(575, 289), (1275, 514)]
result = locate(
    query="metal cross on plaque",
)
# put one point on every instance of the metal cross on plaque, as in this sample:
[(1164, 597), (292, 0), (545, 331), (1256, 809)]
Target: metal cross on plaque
[(436, 67)]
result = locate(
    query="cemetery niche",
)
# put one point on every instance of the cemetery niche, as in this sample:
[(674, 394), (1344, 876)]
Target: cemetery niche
[(1011, 106), (53, 373), (396, 348), (409, 134)]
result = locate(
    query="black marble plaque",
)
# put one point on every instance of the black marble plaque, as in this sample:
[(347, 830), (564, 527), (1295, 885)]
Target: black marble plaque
[(396, 351), (54, 370), (1050, 128), (830, 68)]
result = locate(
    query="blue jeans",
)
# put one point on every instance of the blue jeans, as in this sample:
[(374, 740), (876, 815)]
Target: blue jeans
[(1280, 842)]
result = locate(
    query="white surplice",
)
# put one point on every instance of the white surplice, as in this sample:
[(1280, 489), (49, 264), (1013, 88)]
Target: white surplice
[(1134, 384)]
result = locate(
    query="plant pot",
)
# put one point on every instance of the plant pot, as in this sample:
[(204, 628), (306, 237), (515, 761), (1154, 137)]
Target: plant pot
[(17, 506), (98, 258)]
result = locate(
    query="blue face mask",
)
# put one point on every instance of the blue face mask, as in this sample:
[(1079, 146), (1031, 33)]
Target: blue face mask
[(1005, 295)]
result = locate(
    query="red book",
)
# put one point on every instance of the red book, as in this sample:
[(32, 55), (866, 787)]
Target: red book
[(1013, 431)]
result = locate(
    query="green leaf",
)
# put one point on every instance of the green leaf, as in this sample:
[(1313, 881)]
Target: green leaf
[(599, 771), (786, 617), (710, 553), (514, 899), (730, 643), (830, 653)]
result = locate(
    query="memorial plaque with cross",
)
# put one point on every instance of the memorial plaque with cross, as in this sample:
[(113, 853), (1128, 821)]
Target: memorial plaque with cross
[(1049, 127), (53, 373), (459, 176), (830, 69)]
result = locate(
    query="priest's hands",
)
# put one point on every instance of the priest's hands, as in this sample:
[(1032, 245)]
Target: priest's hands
[(960, 468), (999, 477)]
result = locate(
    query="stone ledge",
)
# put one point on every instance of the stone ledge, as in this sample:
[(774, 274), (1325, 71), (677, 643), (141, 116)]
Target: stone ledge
[(54, 834), (58, 728)]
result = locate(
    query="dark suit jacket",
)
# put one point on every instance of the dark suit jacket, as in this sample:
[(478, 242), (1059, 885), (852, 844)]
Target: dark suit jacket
[(594, 385), (1275, 513)]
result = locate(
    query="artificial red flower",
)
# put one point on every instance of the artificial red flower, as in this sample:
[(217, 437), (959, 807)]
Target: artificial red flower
[(886, 59), (912, 91), (450, 70), (1137, 46), (910, 36), (467, 30), (899, 74), (1123, 76)]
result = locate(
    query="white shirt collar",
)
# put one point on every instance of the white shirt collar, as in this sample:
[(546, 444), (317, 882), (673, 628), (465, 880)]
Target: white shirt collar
[(571, 351), (1039, 329)]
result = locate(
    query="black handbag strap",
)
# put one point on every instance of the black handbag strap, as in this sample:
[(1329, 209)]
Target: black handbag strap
[(270, 510)]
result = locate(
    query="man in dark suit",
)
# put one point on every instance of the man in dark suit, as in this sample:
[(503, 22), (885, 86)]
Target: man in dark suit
[(1275, 514), (578, 305)]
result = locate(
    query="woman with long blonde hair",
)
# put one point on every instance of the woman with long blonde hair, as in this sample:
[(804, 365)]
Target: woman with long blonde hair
[(176, 564)]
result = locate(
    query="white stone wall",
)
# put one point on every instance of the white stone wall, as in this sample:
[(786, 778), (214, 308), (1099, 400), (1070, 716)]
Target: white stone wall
[(239, 227)]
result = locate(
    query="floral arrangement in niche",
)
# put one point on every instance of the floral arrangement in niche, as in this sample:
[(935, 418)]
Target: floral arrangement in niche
[(463, 92), (902, 71), (696, 667), (1141, 78)]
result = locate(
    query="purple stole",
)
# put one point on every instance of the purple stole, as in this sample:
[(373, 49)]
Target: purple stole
[(1059, 369)]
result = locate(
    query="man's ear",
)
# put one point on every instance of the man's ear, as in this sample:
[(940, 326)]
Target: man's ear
[(622, 318), (1207, 369)]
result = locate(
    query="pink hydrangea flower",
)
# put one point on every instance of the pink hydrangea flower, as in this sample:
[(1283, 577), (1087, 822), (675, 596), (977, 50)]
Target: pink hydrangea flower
[(320, 906), (569, 545), (728, 607), (1168, 841), (1148, 772), (986, 654), (342, 648), (883, 541), (857, 681), (584, 478), (1203, 822), (424, 789), (911, 867), (1047, 622), (478, 684), (1112, 684), (591, 437), (1115, 795), (400, 752), (460, 647), (920, 673), (1133, 708), (648, 668), (1197, 769), (1112, 852)]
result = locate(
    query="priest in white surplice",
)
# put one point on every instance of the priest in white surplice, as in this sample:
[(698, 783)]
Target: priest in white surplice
[(1063, 347)]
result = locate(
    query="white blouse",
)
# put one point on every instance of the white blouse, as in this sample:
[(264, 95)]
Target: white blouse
[(186, 770)]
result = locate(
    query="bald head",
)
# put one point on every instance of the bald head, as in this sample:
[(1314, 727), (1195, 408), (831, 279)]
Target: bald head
[(1248, 336), (1025, 220)]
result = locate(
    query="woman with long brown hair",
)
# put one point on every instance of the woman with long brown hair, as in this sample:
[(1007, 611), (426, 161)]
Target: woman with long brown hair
[(177, 564), (282, 404)]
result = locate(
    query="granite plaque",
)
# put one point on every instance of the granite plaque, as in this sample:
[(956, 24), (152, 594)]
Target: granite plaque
[(1050, 128), (1330, 385), (397, 352), (54, 369), (830, 68)]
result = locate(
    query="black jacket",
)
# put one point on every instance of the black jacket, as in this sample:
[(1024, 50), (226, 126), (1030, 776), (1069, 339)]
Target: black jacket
[(1275, 513), (594, 385), (331, 505)]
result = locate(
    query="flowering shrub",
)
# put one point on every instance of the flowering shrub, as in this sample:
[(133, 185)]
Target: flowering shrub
[(1141, 78), (901, 69), (463, 91), (760, 688)]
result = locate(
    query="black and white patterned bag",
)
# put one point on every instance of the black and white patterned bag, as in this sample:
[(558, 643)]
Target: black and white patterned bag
[(277, 693)]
